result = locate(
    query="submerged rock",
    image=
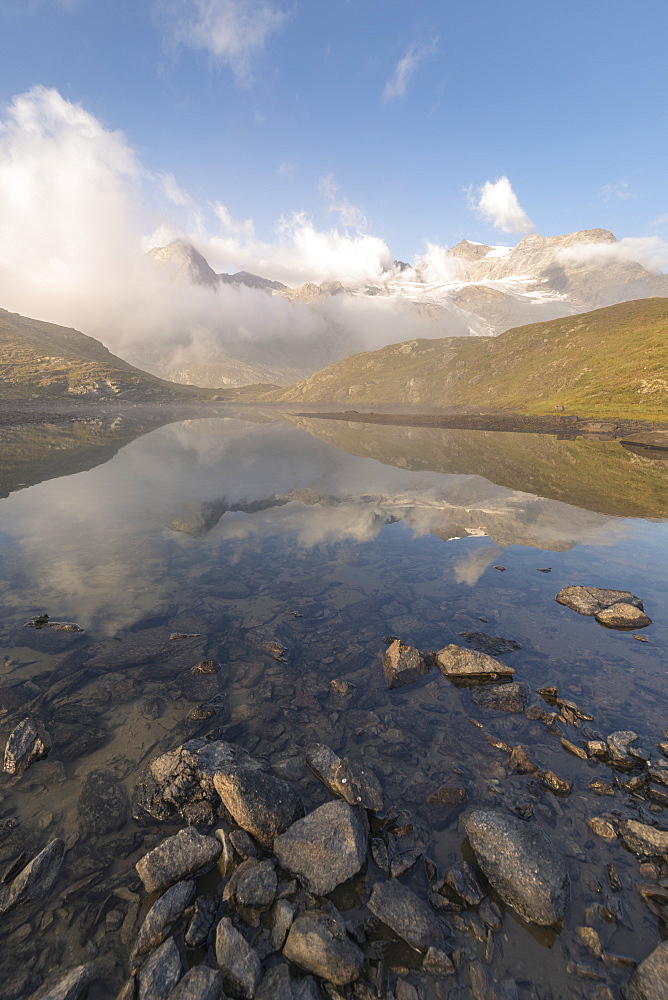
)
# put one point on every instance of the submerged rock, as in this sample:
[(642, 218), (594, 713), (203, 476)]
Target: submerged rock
[(644, 839), (456, 661), (318, 943), (493, 645), (403, 664), (521, 863), (103, 804), (511, 697), (263, 805), (185, 854), (354, 782), (38, 876), (72, 986), (650, 979), (406, 914), (238, 961), (28, 742), (325, 848), (592, 600)]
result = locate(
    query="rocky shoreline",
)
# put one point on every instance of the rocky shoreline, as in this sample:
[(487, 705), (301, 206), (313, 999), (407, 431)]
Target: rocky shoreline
[(256, 895)]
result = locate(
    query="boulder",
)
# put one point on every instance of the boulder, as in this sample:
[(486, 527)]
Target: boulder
[(160, 973), (521, 863), (318, 943), (623, 616), (650, 979), (72, 986), (354, 782), (38, 876), (261, 804), (29, 741), (238, 962), (325, 848), (406, 914), (592, 600), (162, 916), (649, 841), (457, 661), (182, 856), (511, 697), (253, 884), (199, 983), (403, 664)]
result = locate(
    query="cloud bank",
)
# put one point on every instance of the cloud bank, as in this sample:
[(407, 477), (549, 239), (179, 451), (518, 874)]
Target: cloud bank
[(497, 203)]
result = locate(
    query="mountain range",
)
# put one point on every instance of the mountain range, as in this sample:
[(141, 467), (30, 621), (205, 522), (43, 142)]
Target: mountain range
[(479, 290)]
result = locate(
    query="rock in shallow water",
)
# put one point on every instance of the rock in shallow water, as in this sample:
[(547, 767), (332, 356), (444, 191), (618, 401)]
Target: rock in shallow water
[(72, 986), (29, 741), (403, 664), (162, 916), (325, 848), (406, 914), (456, 661), (38, 876), (103, 804), (511, 697), (354, 782), (199, 983), (650, 979), (592, 600), (185, 854), (521, 863), (623, 616), (643, 839), (318, 943), (160, 973), (261, 804), (238, 962)]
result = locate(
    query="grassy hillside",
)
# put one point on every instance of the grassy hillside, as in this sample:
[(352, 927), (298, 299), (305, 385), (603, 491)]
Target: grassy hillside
[(610, 362), (43, 360)]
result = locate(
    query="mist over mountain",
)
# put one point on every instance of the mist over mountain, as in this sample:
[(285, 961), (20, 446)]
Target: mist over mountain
[(469, 290)]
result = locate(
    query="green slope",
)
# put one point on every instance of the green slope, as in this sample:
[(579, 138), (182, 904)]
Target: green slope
[(610, 362), (43, 360)]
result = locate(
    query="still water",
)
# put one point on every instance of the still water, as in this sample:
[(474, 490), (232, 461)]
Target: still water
[(292, 548)]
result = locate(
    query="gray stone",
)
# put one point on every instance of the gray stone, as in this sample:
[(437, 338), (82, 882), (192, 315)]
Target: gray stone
[(318, 943), (29, 741), (38, 876), (199, 983), (404, 991), (72, 986), (521, 863), (591, 600), (408, 916), (650, 979), (103, 803), (160, 973), (280, 919), (438, 962), (253, 884), (201, 922), (354, 782), (403, 664), (491, 644), (511, 697), (623, 616), (184, 855), (325, 848), (457, 661), (645, 840), (238, 962), (162, 916), (619, 743), (261, 804)]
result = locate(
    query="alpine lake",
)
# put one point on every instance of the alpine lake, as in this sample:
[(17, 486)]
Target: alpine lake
[(291, 551)]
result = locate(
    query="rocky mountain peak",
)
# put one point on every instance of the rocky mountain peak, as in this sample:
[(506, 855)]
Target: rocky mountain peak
[(465, 250), (184, 263)]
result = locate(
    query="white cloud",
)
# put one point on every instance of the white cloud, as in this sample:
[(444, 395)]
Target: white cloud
[(650, 251), (286, 168), (497, 203), (397, 84), (619, 190), (662, 220), (234, 32), (350, 216)]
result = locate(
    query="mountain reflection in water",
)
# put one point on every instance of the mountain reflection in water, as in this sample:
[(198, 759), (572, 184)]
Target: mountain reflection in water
[(291, 548)]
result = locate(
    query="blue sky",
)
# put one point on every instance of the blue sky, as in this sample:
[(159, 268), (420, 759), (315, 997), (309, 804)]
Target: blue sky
[(371, 116)]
